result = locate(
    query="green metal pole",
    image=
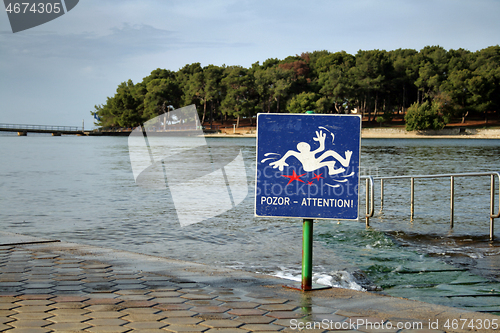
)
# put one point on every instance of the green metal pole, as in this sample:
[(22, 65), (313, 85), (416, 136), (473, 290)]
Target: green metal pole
[(307, 254), (307, 249)]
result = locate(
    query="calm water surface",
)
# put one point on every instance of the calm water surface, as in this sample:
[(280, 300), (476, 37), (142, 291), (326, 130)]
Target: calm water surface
[(81, 189)]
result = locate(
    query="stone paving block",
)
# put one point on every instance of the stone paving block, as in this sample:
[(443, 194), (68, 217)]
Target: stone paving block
[(105, 314), (69, 288), (142, 325), (29, 330), (102, 294), (138, 304), (68, 319), (180, 313), (8, 306), (366, 319), (37, 296), (209, 309), (191, 290), (278, 307), (247, 312), (241, 305), (130, 287), (32, 315), (214, 315), (4, 327), (182, 320), (69, 312), (5, 320), (136, 297), (127, 281), (135, 311), (198, 296), (226, 330), (70, 283), (6, 313), (287, 322), (39, 291), (33, 308), (108, 329), (270, 300), (133, 292), (290, 330), (261, 327), (185, 328), (68, 305), (165, 288), (8, 299), (422, 331), (165, 294), (255, 319), (170, 300), (211, 302), (329, 317), (61, 299), (36, 323), (95, 266), (103, 301), (35, 302), (171, 307), (366, 329), (104, 307), (285, 314), (221, 323), (144, 317), (107, 322), (68, 327)]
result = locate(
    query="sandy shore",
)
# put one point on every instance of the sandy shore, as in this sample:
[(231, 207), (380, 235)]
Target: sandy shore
[(396, 133)]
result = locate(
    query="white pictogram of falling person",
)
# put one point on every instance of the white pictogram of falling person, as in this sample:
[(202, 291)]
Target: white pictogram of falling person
[(309, 160)]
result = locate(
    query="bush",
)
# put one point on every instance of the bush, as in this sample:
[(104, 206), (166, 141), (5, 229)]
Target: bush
[(425, 116)]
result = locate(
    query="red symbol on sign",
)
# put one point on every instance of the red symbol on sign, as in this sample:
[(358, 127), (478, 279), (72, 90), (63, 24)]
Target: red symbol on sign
[(317, 177), (293, 177)]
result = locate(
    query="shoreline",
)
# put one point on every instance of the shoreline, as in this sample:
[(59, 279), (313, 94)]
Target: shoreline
[(393, 133)]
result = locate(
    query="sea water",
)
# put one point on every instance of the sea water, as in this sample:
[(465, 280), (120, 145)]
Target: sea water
[(82, 189)]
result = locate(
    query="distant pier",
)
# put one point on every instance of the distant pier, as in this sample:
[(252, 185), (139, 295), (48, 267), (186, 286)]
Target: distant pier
[(23, 130)]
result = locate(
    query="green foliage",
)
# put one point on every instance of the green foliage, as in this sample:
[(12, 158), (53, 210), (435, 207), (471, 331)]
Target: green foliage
[(425, 116), (433, 84), (302, 102)]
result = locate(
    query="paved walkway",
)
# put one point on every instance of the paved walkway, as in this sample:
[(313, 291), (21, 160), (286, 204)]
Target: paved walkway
[(63, 287)]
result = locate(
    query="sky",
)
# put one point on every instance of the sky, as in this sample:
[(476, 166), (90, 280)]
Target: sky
[(55, 73)]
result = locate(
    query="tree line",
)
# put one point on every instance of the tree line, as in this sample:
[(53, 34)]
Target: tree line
[(429, 87)]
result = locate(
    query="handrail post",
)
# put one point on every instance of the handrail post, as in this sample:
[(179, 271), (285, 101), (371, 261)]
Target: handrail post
[(492, 208), (452, 199), (367, 210), (412, 198), (381, 194)]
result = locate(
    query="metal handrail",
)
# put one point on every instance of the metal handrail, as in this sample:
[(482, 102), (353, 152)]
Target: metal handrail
[(452, 176)]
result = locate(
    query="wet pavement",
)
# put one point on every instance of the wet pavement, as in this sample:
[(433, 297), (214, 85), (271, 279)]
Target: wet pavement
[(51, 286)]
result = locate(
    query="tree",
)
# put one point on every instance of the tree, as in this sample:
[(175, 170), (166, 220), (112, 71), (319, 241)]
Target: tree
[(272, 85), (302, 102), (238, 100), (337, 86), (373, 68), (160, 94), (425, 116)]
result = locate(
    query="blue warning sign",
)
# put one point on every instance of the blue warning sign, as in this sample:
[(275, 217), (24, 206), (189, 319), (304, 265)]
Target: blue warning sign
[(308, 166)]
